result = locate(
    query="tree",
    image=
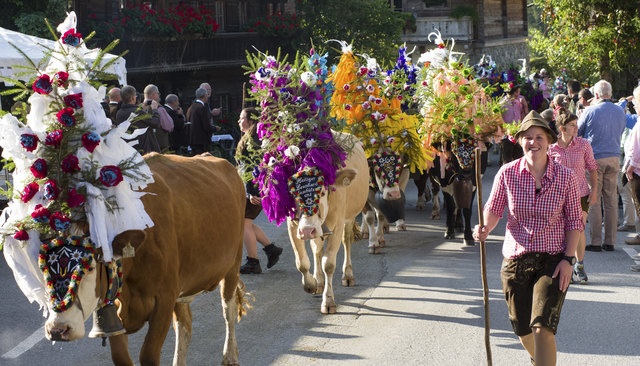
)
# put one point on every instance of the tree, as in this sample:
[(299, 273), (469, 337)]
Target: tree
[(590, 38), (27, 16), (371, 25)]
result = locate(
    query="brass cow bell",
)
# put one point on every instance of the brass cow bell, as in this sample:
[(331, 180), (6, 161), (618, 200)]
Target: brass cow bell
[(106, 322)]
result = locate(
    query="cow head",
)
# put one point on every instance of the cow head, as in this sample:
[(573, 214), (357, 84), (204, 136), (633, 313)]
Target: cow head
[(69, 267), (311, 197), (387, 170)]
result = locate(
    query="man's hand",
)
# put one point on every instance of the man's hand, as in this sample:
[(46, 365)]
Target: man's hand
[(216, 112)]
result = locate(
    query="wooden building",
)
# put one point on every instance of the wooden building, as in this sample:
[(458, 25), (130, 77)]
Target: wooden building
[(493, 27)]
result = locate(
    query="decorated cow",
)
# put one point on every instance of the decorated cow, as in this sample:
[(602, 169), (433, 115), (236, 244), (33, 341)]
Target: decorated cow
[(327, 213), (92, 225)]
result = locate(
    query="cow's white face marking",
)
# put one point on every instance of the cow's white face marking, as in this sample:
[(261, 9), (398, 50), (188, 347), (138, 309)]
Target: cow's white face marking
[(69, 324), (310, 227)]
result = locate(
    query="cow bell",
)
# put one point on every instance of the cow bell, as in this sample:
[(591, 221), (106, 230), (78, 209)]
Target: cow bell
[(106, 322), (393, 210)]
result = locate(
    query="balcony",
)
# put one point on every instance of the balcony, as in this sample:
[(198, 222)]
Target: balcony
[(225, 49), (458, 29)]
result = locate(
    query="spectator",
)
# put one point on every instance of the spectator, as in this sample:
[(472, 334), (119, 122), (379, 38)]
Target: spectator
[(515, 109), (542, 233), (573, 88), (632, 167), (148, 118), (575, 153), (248, 158), (584, 100), (178, 137), (214, 112), (152, 94), (201, 125), (602, 124), (115, 101)]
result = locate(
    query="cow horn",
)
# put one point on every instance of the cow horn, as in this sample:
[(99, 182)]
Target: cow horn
[(106, 322)]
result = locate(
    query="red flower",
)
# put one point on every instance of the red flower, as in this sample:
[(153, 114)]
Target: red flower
[(66, 118), (42, 85), (29, 141), (74, 101), (148, 22), (30, 190), (51, 190), (70, 164), (39, 168), (75, 199), (40, 214), (71, 38), (59, 222), (92, 16), (54, 138), (62, 77), (110, 175), (21, 235)]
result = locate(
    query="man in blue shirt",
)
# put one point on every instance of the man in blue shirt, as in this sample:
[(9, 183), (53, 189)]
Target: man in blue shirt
[(602, 125)]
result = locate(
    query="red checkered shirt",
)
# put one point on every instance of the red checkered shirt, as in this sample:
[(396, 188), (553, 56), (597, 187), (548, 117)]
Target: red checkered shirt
[(536, 222), (579, 157)]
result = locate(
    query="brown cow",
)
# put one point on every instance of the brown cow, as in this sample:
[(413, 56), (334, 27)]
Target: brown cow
[(197, 206), (339, 205)]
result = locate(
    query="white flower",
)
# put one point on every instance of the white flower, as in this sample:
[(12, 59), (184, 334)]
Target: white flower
[(310, 143), (292, 151), (297, 127), (264, 144), (272, 161), (387, 80), (376, 115), (366, 105), (269, 59), (309, 78), (373, 141), (390, 140), (372, 98), (370, 88)]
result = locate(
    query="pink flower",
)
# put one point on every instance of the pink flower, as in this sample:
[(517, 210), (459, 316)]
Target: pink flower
[(30, 190)]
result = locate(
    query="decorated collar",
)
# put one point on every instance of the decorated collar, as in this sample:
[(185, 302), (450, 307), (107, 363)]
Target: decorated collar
[(64, 261), (388, 165)]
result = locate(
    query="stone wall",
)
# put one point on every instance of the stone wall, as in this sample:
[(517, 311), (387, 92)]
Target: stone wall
[(504, 51)]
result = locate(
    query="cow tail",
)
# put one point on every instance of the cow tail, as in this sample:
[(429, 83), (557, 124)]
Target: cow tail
[(356, 235), (242, 299)]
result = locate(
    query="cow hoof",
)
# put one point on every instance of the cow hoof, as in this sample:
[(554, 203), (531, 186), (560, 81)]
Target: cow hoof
[(382, 243), (310, 286), (385, 228), (402, 227), (328, 309), (469, 242), (348, 282), (365, 235), (421, 206), (435, 216), (375, 250), (450, 235), (319, 290)]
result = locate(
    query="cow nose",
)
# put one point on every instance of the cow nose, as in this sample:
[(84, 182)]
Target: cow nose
[(307, 233), (58, 334), (394, 195)]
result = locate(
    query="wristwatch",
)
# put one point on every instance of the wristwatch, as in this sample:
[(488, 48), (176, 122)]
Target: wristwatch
[(571, 259)]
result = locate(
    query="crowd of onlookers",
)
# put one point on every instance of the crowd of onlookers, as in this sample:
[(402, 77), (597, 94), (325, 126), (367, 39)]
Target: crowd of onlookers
[(611, 129), (168, 127)]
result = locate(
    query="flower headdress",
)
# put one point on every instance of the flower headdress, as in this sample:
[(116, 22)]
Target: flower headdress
[(70, 164), (293, 127), (371, 109)]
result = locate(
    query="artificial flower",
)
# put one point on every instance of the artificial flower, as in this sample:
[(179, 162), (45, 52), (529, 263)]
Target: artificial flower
[(90, 140), (71, 38), (309, 78), (310, 143), (30, 190), (39, 168), (70, 164), (29, 141), (40, 214), (54, 138), (62, 77), (75, 199), (51, 190), (42, 85), (66, 118), (59, 222), (21, 235), (110, 175), (292, 151), (73, 100)]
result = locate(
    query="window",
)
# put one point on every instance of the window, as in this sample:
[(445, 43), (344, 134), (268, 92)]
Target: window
[(219, 13), (242, 13), (223, 99)]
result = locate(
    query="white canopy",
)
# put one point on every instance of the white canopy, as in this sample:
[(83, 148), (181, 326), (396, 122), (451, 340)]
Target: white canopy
[(31, 46)]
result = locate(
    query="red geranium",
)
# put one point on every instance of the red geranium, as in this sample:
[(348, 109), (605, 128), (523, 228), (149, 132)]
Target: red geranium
[(42, 85), (74, 101), (30, 190)]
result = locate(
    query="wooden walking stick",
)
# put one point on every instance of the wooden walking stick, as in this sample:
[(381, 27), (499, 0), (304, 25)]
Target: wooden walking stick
[(244, 89), (483, 259)]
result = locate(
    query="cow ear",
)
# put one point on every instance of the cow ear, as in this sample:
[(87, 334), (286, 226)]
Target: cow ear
[(345, 177), (133, 237)]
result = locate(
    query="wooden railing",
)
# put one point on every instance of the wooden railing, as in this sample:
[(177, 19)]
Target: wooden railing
[(152, 54)]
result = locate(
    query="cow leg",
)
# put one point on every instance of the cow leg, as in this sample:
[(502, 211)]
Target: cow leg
[(159, 325), (317, 246), (459, 220), (450, 206), (119, 346), (302, 259), (364, 226), (368, 220), (347, 268), (421, 184), (435, 210), (468, 236), (230, 310), (329, 266), (182, 318), (401, 225), (383, 227)]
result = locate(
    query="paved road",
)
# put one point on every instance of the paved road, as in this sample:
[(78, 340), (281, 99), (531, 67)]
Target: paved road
[(419, 303)]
